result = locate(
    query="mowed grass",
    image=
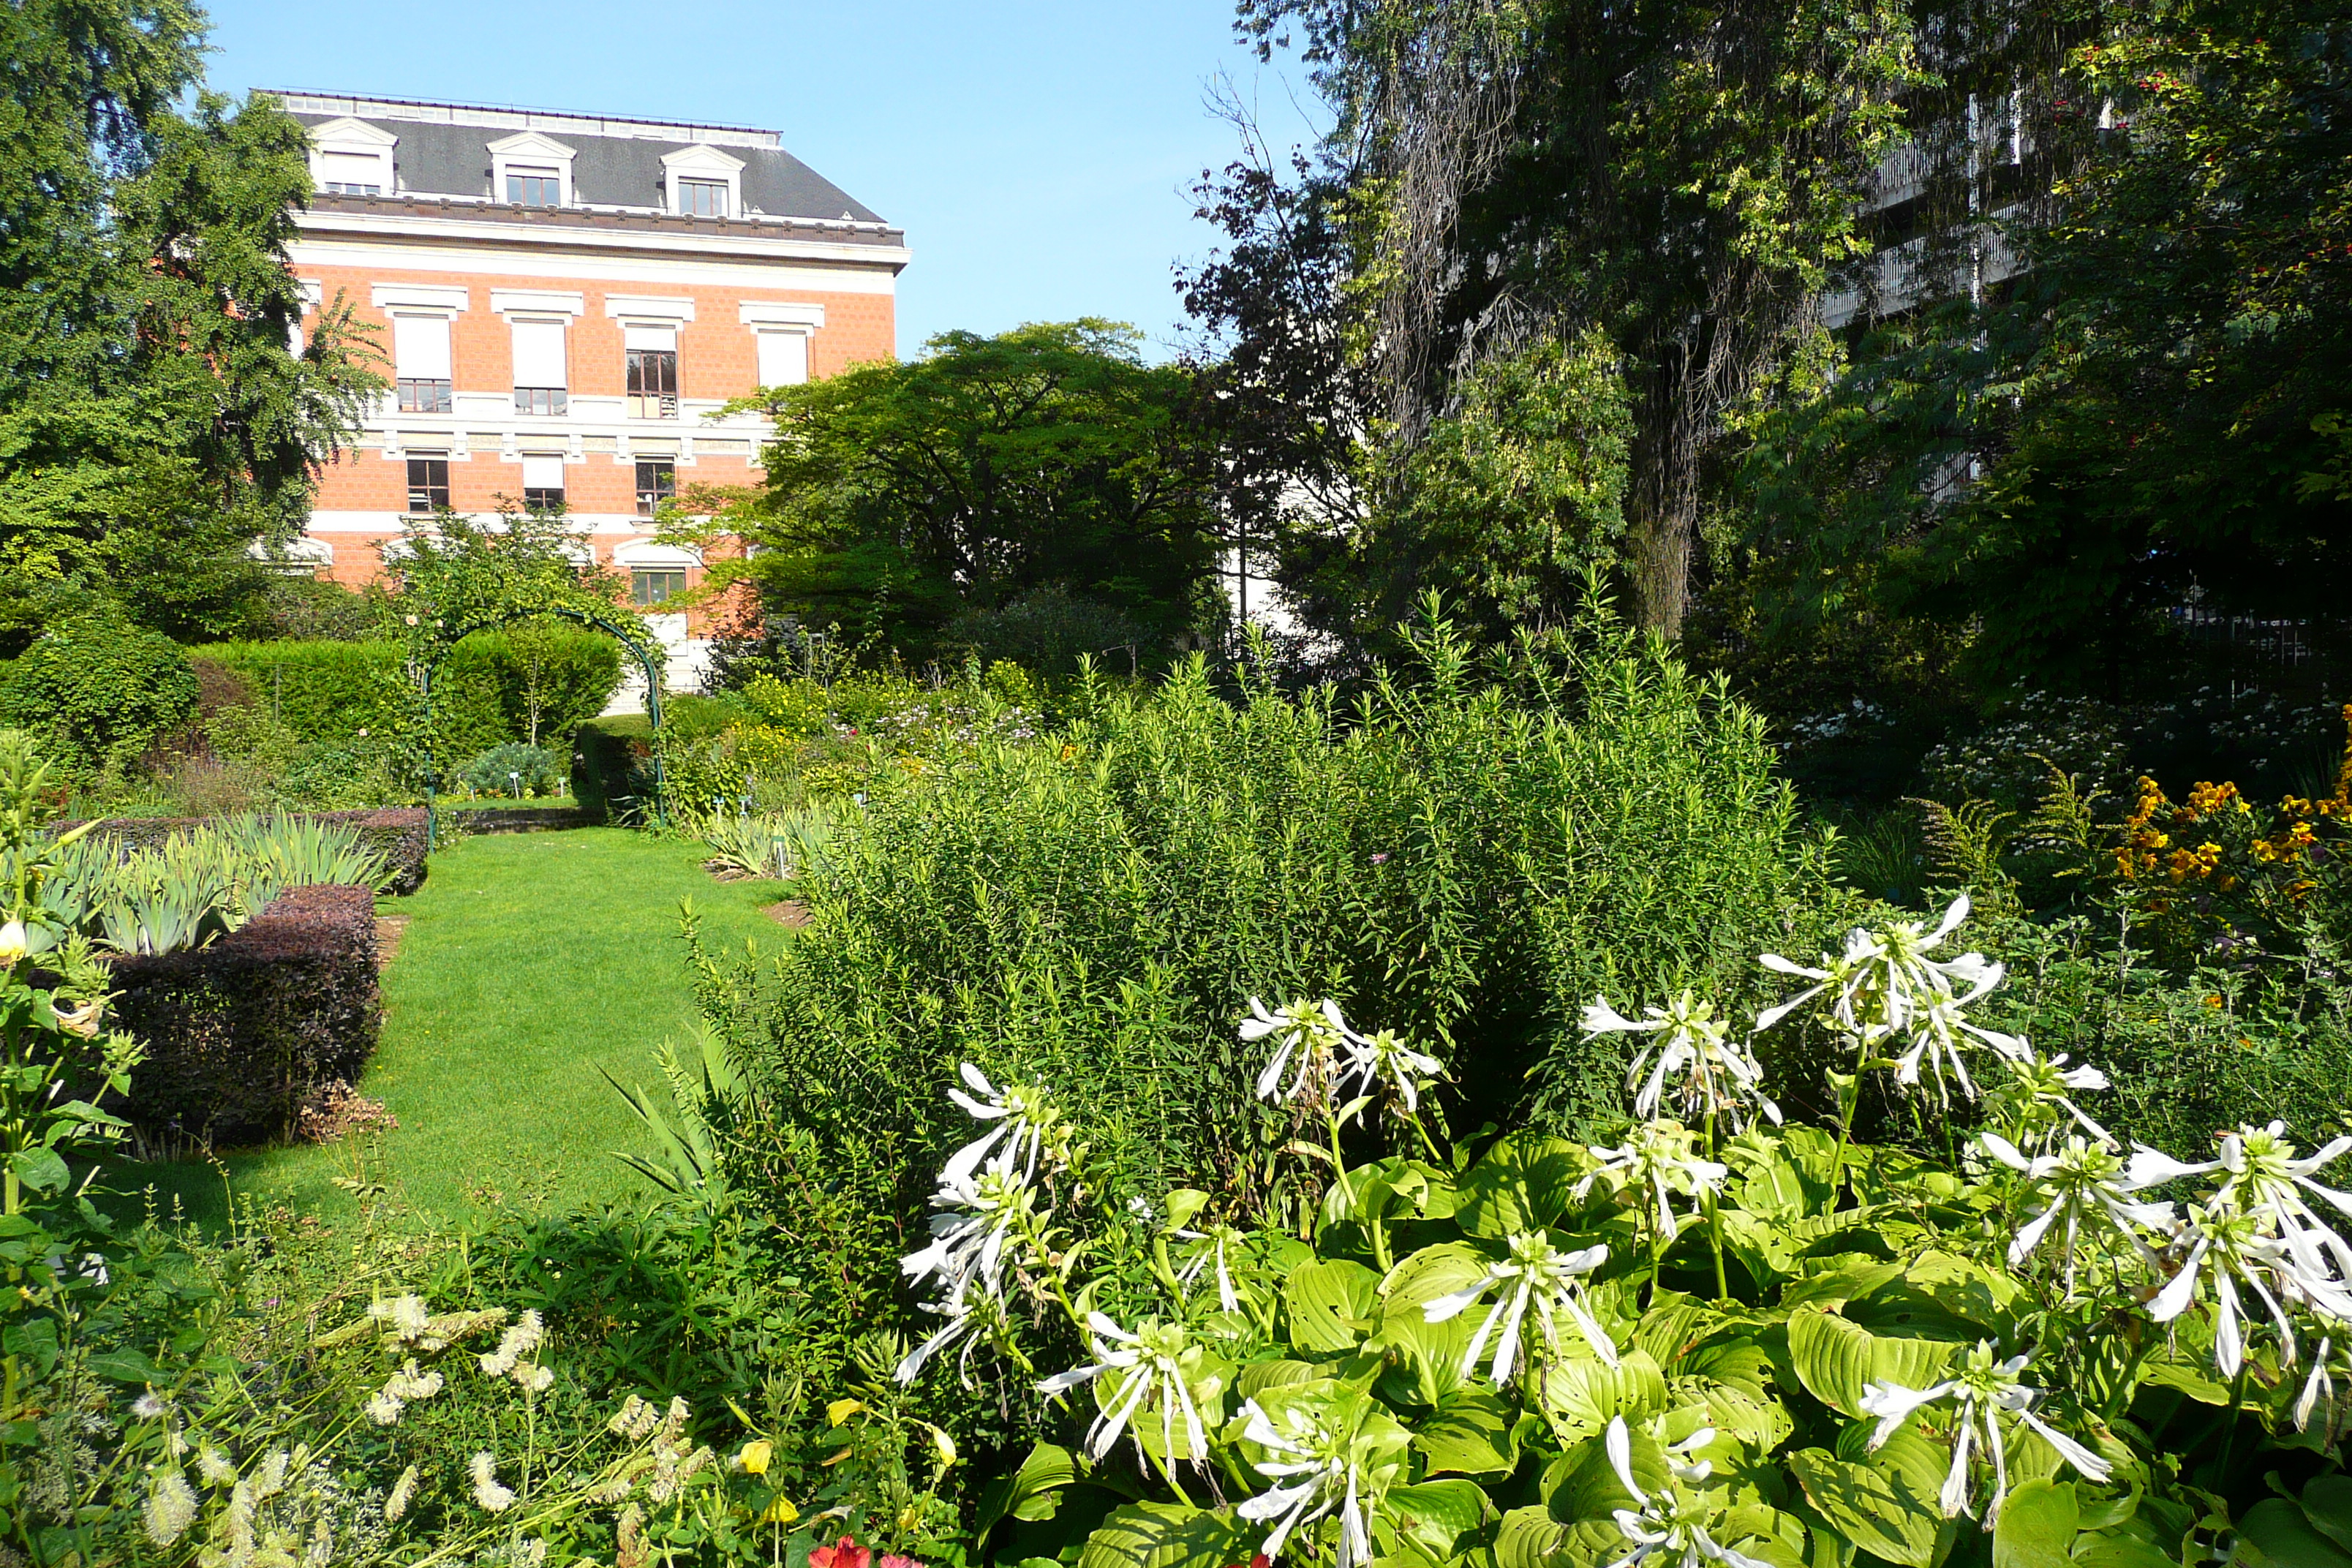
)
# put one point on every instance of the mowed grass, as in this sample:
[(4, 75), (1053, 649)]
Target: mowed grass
[(530, 961)]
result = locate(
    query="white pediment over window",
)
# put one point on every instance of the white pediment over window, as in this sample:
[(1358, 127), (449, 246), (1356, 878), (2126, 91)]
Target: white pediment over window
[(646, 553), (702, 166), (350, 157), (529, 153)]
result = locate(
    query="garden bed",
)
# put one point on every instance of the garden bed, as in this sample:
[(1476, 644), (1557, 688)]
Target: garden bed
[(522, 818), (397, 833)]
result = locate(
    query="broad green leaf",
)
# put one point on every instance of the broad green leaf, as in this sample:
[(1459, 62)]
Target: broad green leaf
[(2327, 1503), (1167, 1535), (1428, 1356), (2037, 1526), (1582, 1484), (1763, 1424), (1581, 1396), (1332, 1304), (1260, 1375), (1938, 1296), (124, 1365), (1527, 1538), (2284, 1534), (1026, 1493), (1437, 1514), (1836, 1359), (1673, 1323), (2187, 1380), (1765, 1533), (1882, 1511), (1470, 1435), (2114, 1549), (42, 1170), (1833, 1287), (1522, 1184), (1739, 1363)]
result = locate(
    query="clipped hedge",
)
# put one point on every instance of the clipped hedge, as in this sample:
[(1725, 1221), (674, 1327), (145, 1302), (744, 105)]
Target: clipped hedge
[(332, 691), (240, 1033), (395, 832)]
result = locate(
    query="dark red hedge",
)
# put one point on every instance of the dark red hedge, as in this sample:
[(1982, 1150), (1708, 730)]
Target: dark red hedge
[(397, 832), (238, 1033)]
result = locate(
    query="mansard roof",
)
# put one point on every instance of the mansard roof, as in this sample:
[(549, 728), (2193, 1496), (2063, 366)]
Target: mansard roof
[(445, 149)]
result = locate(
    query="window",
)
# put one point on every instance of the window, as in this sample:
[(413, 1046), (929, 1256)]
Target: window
[(420, 357), (543, 481), (657, 482), (350, 188), (655, 584), (652, 372), (702, 198), (428, 483), (539, 367), (534, 187), (783, 359)]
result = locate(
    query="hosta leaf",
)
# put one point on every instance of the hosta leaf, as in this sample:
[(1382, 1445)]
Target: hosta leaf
[(1762, 1424), (1739, 1364), (1885, 1511), (2284, 1534), (1332, 1304), (1836, 1359), (2037, 1526), (1765, 1533), (1260, 1375), (2188, 1380), (1522, 1184), (1527, 1538), (2327, 1503), (1167, 1535), (1027, 1493), (1673, 1324), (1426, 1356), (1581, 1396), (1437, 1514), (1470, 1435), (2114, 1549), (1839, 1283), (1938, 1296), (1582, 1484)]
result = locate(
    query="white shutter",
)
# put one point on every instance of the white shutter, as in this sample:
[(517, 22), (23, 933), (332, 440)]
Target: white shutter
[(420, 347), (783, 359), (352, 168), (636, 337), (538, 353), (542, 473)]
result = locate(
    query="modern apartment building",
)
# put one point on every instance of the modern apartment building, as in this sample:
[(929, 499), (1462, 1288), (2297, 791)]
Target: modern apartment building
[(567, 300)]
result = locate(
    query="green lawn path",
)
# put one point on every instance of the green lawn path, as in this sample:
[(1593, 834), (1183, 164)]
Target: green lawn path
[(530, 961)]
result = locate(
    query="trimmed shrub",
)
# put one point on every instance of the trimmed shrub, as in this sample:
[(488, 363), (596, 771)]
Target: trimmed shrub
[(395, 833), (239, 1033), (101, 686), (482, 697)]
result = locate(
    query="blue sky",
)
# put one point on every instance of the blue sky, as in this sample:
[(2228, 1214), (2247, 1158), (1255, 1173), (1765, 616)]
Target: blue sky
[(1037, 154)]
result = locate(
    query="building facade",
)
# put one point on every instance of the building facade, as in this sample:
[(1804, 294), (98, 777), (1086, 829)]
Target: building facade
[(566, 302)]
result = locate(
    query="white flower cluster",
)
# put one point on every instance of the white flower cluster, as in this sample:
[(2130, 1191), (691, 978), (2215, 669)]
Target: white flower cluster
[(1313, 1043), (1983, 1393)]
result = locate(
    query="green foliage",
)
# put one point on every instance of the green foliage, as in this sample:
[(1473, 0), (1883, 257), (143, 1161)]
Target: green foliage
[(199, 884), (155, 422), (512, 769), (966, 480), (99, 687)]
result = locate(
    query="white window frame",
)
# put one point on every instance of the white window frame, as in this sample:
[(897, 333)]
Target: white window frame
[(529, 152), (350, 138), (703, 162), (786, 317)]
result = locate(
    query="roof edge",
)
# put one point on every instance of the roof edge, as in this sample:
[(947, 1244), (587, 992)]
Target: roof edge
[(299, 101)]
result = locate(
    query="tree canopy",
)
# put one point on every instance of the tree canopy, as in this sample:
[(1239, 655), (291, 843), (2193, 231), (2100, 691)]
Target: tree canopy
[(156, 418), (914, 502)]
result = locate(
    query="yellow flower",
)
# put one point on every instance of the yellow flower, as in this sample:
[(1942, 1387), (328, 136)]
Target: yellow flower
[(12, 944), (780, 1511), (841, 1410), (755, 1456)]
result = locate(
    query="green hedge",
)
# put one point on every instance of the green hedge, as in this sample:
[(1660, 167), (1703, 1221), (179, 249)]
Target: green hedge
[(99, 686), (332, 691)]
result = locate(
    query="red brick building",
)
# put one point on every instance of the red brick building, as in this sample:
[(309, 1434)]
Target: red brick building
[(566, 301)]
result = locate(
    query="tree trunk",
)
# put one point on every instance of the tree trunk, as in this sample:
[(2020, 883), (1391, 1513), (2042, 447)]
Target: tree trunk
[(1661, 495)]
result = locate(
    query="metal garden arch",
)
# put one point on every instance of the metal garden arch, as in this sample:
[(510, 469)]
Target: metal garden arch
[(635, 642)]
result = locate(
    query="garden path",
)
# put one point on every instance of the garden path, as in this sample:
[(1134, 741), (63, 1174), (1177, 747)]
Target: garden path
[(527, 963)]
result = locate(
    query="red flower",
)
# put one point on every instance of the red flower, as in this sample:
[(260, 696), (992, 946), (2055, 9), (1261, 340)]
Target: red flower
[(844, 1553), (1260, 1561), (892, 1561)]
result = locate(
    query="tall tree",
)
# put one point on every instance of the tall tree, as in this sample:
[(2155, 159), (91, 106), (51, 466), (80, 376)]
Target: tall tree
[(1675, 180), (156, 420), (899, 497)]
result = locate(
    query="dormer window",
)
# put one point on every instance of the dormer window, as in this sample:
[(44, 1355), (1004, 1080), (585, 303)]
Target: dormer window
[(534, 187), (531, 169), (352, 158), (702, 181)]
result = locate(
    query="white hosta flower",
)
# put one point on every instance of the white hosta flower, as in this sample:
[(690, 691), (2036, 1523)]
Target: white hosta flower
[(486, 1490), (1884, 977), (2049, 1084), (1215, 1239), (1311, 1033), (967, 1254), (1982, 1392), (1937, 1031), (1536, 1276), (2263, 1176), (2228, 1247), (1668, 1526), (1027, 1125), (1693, 1058), (1322, 1464), (1659, 1159), (2083, 1181), (1146, 1367), (2319, 1388), (1373, 1060)]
